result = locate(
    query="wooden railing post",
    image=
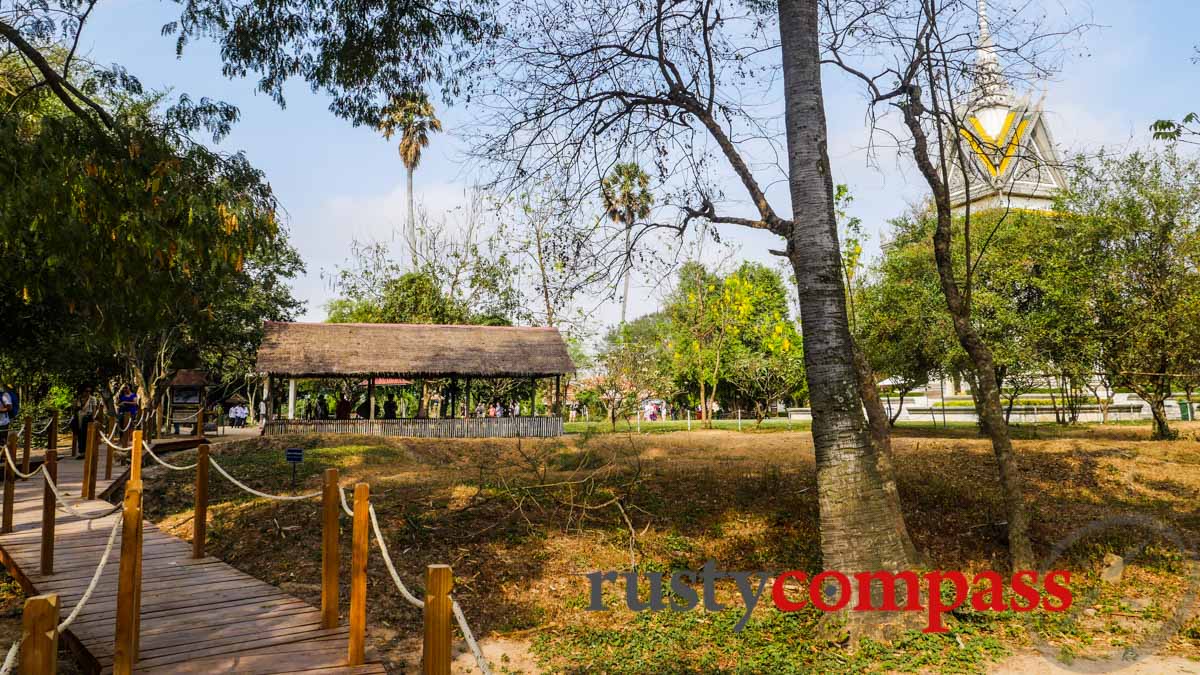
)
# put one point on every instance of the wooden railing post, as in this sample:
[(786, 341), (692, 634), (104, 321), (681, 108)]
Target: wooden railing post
[(52, 432), (200, 520), (330, 550), (89, 453), (28, 445), (39, 629), (108, 454), (135, 456), (435, 657), (128, 582), (10, 483), (200, 421), (50, 469), (135, 471), (358, 574)]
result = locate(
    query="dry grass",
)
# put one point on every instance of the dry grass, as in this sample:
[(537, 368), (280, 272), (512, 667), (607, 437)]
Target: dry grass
[(521, 524)]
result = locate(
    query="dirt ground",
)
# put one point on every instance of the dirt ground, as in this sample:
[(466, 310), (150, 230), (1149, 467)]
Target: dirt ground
[(522, 522)]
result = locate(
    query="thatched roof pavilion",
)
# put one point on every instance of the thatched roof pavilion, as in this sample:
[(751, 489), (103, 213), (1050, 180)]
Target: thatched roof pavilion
[(383, 352), (411, 350)]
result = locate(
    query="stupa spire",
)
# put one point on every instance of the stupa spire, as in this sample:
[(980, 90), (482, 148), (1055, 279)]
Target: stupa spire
[(989, 78)]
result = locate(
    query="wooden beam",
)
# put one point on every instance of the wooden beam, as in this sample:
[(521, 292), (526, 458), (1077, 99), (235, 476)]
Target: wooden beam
[(39, 630), (10, 483), (200, 520), (125, 649), (435, 655), (330, 550), (360, 538), (49, 518)]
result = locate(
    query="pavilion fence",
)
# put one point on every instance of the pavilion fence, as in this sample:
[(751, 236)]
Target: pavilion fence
[(470, 427)]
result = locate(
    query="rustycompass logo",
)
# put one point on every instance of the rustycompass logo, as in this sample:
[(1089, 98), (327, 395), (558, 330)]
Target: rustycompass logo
[(932, 593)]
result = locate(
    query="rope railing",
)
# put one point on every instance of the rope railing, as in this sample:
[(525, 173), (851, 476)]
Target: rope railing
[(10, 660), (439, 605), (109, 442), (87, 594), (413, 600), (12, 465), (160, 460), (283, 498), (64, 505)]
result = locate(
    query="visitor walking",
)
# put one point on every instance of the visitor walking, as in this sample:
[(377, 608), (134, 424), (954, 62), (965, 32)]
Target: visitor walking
[(86, 407), (389, 407)]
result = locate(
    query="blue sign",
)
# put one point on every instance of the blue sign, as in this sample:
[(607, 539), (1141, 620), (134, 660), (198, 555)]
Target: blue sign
[(295, 455)]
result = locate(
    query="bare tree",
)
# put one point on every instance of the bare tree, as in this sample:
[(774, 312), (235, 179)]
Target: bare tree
[(937, 63), (584, 84)]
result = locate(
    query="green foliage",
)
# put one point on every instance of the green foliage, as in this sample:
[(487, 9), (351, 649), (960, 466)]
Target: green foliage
[(1135, 220), (129, 237), (365, 54)]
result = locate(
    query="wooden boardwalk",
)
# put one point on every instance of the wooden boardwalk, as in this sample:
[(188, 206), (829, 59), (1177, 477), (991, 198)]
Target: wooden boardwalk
[(197, 615)]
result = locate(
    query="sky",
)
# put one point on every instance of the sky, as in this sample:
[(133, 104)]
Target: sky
[(337, 183)]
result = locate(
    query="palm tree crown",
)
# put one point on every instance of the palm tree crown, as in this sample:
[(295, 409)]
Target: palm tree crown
[(413, 116), (626, 193)]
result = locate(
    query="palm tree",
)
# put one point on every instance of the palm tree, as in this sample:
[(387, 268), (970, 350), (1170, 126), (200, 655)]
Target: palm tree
[(626, 198), (413, 116)]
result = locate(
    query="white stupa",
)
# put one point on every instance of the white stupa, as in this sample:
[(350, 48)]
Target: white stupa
[(1012, 159)]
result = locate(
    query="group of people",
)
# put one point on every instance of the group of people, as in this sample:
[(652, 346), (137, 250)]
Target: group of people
[(238, 414), (498, 410)]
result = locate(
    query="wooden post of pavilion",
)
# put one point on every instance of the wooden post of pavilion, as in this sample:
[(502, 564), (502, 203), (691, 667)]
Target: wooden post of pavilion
[(371, 397), (558, 395), (533, 397), (467, 407)]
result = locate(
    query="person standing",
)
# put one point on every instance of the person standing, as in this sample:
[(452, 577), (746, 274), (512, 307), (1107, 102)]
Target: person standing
[(86, 407), (8, 411), (127, 407)]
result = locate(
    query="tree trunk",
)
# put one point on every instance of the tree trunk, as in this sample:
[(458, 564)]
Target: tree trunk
[(628, 264), (412, 222), (991, 413), (1162, 429), (862, 528)]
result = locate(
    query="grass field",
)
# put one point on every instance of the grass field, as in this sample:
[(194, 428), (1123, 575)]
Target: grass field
[(521, 523)]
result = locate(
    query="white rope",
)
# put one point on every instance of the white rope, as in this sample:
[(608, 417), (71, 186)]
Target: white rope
[(10, 661), (65, 506), (417, 602), (345, 506), (8, 458), (252, 491), (109, 442), (172, 467), (469, 637), (387, 561), (87, 594)]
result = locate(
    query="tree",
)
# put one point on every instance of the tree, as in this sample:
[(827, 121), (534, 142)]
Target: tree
[(413, 116), (626, 199), (1137, 224), (579, 83), (900, 323), (915, 57), (115, 219), (365, 54)]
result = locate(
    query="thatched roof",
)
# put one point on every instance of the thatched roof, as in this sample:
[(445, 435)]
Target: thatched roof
[(411, 350)]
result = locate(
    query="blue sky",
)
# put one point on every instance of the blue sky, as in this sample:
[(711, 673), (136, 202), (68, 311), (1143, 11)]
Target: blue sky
[(338, 182)]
